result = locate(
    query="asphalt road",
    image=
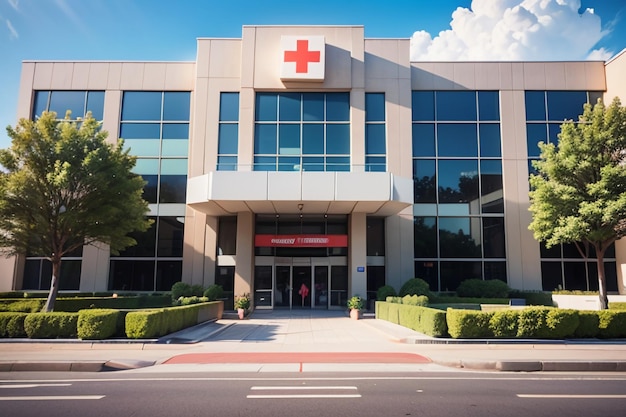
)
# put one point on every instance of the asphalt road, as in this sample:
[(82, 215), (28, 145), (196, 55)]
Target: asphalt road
[(430, 394)]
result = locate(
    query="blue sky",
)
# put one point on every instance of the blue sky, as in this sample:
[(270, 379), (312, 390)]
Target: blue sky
[(167, 30)]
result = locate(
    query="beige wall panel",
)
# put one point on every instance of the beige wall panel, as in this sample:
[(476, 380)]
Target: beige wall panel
[(197, 146), (26, 91), (534, 75), (487, 76), (555, 75), (399, 264), (154, 76), (513, 125), (504, 72), (404, 133), (615, 80), (202, 57), (358, 57), (180, 76), (210, 250), (422, 76), (132, 76), (464, 75), (444, 76), (80, 76), (575, 75), (517, 76), (244, 270), (62, 75), (595, 76), (98, 75), (212, 124), (114, 81), (248, 52), (112, 111), (246, 129), (620, 260), (8, 273), (43, 76), (225, 58), (94, 273), (357, 130), (357, 254)]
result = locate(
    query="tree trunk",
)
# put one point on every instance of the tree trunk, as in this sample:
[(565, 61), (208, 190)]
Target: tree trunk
[(604, 299), (54, 286)]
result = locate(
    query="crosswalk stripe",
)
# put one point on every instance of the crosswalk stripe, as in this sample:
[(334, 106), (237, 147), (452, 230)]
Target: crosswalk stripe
[(52, 397), (583, 396)]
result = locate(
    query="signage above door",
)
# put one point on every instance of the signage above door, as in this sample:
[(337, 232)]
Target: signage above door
[(301, 241), (303, 58)]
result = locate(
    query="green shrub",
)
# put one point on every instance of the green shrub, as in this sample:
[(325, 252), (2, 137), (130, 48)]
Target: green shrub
[(588, 324), (503, 323), (492, 288), (425, 320), (394, 299), (24, 306), (181, 289), (197, 290), (617, 306), (533, 298), (561, 323), (415, 300), (97, 324), (612, 324), (12, 324), (532, 323), (468, 324), (144, 324), (214, 292), (51, 325), (385, 291), (415, 286)]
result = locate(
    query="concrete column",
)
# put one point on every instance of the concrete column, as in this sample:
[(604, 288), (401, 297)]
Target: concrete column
[(620, 260), (244, 269), (357, 255), (94, 271)]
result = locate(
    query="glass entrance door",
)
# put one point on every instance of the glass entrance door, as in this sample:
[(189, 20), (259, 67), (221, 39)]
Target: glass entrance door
[(302, 289), (282, 286)]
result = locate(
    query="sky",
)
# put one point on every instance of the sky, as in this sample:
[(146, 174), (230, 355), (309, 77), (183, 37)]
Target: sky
[(440, 30)]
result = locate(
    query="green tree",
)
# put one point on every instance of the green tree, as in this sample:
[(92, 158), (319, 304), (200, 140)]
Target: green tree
[(579, 193), (63, 186)]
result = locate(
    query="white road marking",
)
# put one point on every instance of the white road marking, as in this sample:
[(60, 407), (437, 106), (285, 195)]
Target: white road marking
[(34, 385), (303, 396), (303, 388), (53, 397), (300, 388), (583, 396)]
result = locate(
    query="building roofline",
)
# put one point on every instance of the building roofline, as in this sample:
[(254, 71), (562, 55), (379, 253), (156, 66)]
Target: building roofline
[(88, 61), (616, 56)]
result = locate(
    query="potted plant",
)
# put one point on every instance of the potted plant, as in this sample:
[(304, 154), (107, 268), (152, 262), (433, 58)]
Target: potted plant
[(355, 304), (242, 304)]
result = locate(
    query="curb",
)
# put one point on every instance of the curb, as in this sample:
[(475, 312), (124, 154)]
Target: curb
[(536, 366)]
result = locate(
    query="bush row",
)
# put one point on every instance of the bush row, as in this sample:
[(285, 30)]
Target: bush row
[(96, 324), (32, 305), (536, 322), (410, 300), (421, 319)]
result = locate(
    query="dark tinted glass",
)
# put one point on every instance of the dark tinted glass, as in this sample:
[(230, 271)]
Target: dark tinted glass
[(146, 244), (168, 273), (424, 181), (375, 236), (229, 107), (551, 276), (338, 107), (535, 133), (142, 105), (289, 107), (423, 139), (458, 181), (459, 237), (175, 131), (564, 105), (488, 105), (95, 104), (425, 237), (492, 196), (489, 140), (40, 102), (150, 189), (535, 105), (375, 164), (131, 275), (228, 138), (429, 272), (176, 106), (289, 139), (453, 273), (170, 239), (313, 107), (456, 105), (495, 270), (62, 101), (375, 139), (493, 237), (553, 133), (265, 139), (313, 139), (140, 131), (459, 139), (423, 105), (266, 107), (173, 189), (374, 107), (338, 139)]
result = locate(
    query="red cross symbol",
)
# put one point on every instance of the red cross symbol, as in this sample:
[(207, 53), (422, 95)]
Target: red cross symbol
[(302, 56)]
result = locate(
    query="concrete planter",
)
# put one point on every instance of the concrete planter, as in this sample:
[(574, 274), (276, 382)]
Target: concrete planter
[(583, 302)]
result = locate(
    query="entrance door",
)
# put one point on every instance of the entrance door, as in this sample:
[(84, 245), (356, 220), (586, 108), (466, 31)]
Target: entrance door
[(282, 289), (302, 289)]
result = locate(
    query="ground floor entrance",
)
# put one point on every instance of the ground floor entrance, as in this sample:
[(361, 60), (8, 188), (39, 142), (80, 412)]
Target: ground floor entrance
[(300, 282)]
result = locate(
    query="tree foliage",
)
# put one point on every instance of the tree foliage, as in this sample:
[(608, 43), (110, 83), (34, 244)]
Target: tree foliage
[(579, 193), (63, 186)]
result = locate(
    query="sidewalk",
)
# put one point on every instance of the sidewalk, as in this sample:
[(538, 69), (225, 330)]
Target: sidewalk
[(305, 337)]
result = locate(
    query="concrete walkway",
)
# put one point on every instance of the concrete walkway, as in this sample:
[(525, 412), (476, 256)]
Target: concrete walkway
[(298, 339)]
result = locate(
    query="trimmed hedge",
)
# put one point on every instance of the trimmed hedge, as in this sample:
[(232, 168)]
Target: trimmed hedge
[(588, 324), (34, 305), (503, 323), (492, 288), (612, 324), (51, 325), (12, 324), (468, 324), (24, 306), (97, 324), (421, 319), (415, 286), (617, 306), (385, 291)]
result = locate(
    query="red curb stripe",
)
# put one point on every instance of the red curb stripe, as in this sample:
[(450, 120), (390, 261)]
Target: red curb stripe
[(298, 357)]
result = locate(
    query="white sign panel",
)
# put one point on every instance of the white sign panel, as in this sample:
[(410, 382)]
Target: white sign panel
[(303, 58)]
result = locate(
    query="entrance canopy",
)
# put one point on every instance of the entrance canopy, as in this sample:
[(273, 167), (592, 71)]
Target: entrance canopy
[(229, 192)]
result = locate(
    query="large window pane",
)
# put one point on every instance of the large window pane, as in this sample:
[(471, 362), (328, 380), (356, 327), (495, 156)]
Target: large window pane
[(289, 139), (228, 138), (168, 273), (313, 139), (492, 195), (62, 101), (313, 107), (424, 174), (95, 104), (564, 105), (289, 107), (493, 237), (488, 105), (338, 139), (170, 239), (374, 107), (176, 105), (131, 275), (142, 105), (456, 105), (425, 237), (146, 244), (265, 139), (229, 107), (175, 131), (140, 131), (535, 105), (423, 139), (266, 107), (535, 133), (490, 140), (460, 237), (551, 276), (453, 273), (40, 104), (457, 140), (429, 272), (289, 163), (423, 105), (375, 139), (458, 181), (338, 107)]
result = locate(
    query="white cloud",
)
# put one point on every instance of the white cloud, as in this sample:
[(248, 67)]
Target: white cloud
[(14, 4), (514, 30), (12, 32)]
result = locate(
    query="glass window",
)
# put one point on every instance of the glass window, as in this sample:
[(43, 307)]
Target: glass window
[(313, 107), (459, 139), (564, 105), (176, 105), (146, 243), (375, 163), (227, 163), (168, 273), (535, 133), (77, 102), (334, 163), (95, 104), (338, 107), (313, 163), (490, 140), (424, 174), (456, 105), (265, 163), (488, 106), (338, 139), (492, 195), (460, 237), (266, 106), (227, 236), (425, 237), (535, 105), (458, 181), (140, 131), (229, 107), (175, 131), (423, 139), (228, 138), (289, 139), (493, 237), (265, 139), (375, 139), (289, 163), (423, 105), (313, 139), (141, 105), (374, 107), (131, 275), (40, 104), (170, 238), (289, 107), (63, 101), (453, 273), (173, 189), (375, 236)]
